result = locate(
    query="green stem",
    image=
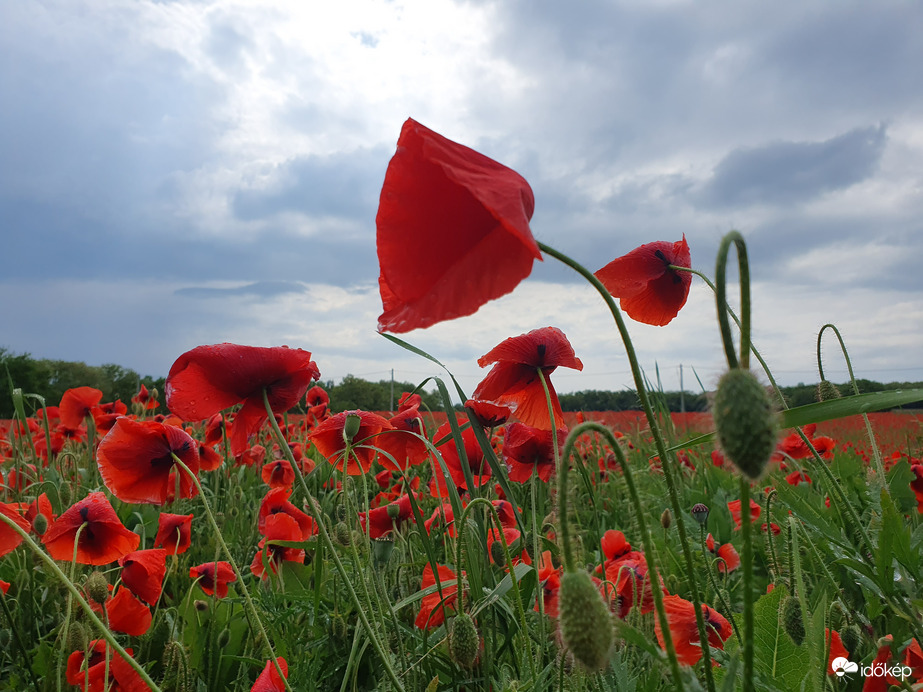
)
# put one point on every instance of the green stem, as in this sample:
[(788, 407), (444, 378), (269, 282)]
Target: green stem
[(646, 539), (75, 593), (19, 643), (747, 565), (714, 585), (240, 577), (314, 511), (721, 300)]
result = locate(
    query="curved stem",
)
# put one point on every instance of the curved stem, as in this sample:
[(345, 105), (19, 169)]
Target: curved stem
[(646, 539), (721, 299)]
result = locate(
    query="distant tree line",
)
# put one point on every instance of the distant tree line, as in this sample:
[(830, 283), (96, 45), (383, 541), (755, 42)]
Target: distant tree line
[(51, 378)]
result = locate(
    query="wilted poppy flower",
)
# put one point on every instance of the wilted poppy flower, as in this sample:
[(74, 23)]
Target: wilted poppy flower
[(9, 538), (76, 404), (329, 439), (174, 533), (103, 538), (143, 572), (514, 379), (432, 613), (213, 577), (136, 460), (209, 379), (269, 680), (649, 291), (530, 451), (453, 231), (127, 614), (685, 633)]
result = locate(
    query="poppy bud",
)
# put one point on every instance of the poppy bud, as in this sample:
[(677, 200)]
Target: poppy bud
[(394, 511), (744, 421), (827, 391), (463, 641), (351, 426), (497, 555), (666, 519), (98, 587), (852, 638), (224, 638), (586, 625), (700, 513), (77, 639), (341, 533), (40, 524), (341, 512), (338, 627), (793, 620), (201, 606)]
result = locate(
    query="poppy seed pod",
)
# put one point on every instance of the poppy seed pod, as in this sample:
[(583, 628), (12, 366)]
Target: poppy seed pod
[(744, 421), (351, 426), (586, 625), (463, 641), (700, 513)]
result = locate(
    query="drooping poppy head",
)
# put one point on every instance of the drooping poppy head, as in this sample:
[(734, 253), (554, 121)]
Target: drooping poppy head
[(453, 231), (208, 379), (269, 680), (649, 291), (102, 536), (329, 439), (136, 461), (213, 577), (174, 533), (514, 378), (143, 572), (76, 404)]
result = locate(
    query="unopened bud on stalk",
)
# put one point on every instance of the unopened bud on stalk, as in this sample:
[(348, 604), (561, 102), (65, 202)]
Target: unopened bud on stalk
[(463, 641), (666, 519), (744, 421), (40, 524), (793, 619), (586, 626), (200, 605), (351, 426), (394, 511), (497, 555), (98, 587), (827, 391), (341, 533)]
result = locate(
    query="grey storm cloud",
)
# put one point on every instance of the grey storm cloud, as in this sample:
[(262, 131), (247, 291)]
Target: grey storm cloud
[(793, 172)]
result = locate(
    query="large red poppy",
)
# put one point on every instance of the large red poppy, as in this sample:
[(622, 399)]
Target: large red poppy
[(514, 379), (143, 572), (174, 532), (329, 439), (76, 405), (136, 461), (649, 291), (214, 577), (530, 451), (208, 379), (685, 633), (90, 674), (453, 231), (103, 539), (269, 680), (128, 614)]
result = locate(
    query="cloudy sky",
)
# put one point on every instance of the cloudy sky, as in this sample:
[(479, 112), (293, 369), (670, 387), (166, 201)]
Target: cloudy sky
[(175, 173)]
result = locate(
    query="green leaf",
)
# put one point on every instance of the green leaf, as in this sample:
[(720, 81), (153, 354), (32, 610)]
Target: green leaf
[(898, 533), (502, 588), (899, 478), (776, 657)]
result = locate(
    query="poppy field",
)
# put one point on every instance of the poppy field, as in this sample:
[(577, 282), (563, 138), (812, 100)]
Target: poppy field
[(234, 533)]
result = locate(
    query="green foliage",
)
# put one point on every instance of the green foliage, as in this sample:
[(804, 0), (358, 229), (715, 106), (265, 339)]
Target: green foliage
[(355, 393)]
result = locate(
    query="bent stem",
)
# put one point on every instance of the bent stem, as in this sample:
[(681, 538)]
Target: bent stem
[(646, 539), (668, 470), (240, 579), (314, 511), (75, 594)]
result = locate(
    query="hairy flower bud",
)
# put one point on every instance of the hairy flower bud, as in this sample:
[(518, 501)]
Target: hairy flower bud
[(744, 421), (666, 519), (97, 587), (463, 641), (586, 625), (827, 391), (793, 619)]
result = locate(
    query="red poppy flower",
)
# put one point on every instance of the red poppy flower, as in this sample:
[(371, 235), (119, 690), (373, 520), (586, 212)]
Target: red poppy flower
[(143, 572), (128, 614), (4, 587), (649, 291), (278, 474), (530, 450), (453, 231), (796, 477), (837, 650), (685, 634), (209, 379), (514, 380), (630, 575), (477, 462), (404, 445), (917, 485), (90, 675), (276, 502), (144, 398), (614, 545), (278, 527), (431, 613), (213, 577), (317, 400), (329, 439), (549, 577), (383, 520), (76, 405), (269, 680), (136, 461), (730, 559), (488, 413), (174, 533), (734, 507), (511, 535), (9, 538), (103, 539)]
